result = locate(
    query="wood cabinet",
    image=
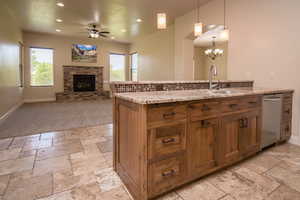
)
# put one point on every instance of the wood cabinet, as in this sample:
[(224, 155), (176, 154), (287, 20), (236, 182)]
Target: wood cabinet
[(286, 119), (203, 145), (160, 147)]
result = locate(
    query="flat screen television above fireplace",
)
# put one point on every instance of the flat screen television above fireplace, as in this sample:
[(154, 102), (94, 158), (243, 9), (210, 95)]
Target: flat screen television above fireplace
[(84, 83)]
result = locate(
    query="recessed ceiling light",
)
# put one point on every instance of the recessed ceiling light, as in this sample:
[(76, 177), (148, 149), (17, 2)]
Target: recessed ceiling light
[(59, 20), (58, 30), (60, 4), (123, 30), (112, 37), (139, 20)]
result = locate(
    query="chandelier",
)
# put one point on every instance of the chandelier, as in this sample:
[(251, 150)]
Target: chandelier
[(214, 53)]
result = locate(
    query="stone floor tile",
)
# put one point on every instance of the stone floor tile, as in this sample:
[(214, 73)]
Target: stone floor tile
[(83, 163), (227, 197), (65, 141), (65, 180), (29, 188), (263, 184), (4, 143), (28, 153), (201, 190), (108, 179), (3, 183), (59, 150), (170, 196), (52, 135), (115, 194), (39, 144), (9, 154), (286, 176), (19, 142), (60, 196), (74, 133), (87, 192), (237, 186), (52, 165), (106, 146), (260, 163), (284, 193), (12, 166)]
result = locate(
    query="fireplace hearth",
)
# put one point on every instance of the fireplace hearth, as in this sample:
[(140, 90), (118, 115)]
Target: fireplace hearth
[(84, 83)]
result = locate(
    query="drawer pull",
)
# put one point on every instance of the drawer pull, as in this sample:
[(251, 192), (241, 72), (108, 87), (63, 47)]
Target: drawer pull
[(205, 108), (205, 123), (168, 173), (287, 111), (233, 105), (169, 115), (242, 123), (252, 102), (168, 140)]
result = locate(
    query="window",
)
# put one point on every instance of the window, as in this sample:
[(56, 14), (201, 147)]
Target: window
[(134, 66), (41, 62), (117, 67)]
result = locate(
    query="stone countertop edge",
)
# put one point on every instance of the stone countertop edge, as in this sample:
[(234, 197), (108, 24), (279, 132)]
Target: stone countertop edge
[(157, 97), (175, 82)]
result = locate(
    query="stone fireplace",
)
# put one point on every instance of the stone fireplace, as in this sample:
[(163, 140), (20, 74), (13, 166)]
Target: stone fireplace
[(81, 83)]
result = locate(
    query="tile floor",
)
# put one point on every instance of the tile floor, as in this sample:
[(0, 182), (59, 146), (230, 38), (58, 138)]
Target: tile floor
[(76, 165)]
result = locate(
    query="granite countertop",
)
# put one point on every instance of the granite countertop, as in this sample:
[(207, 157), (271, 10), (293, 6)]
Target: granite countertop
[(175, 82), (190, 95)]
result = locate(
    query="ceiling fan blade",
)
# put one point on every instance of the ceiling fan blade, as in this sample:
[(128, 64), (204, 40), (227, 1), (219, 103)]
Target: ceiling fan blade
[(102, 35), (104, 32)]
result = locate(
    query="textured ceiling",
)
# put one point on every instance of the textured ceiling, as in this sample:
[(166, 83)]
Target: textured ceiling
[(112, 15)]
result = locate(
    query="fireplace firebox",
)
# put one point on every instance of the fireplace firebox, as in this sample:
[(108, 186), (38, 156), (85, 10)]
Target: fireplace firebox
[(84, 83)]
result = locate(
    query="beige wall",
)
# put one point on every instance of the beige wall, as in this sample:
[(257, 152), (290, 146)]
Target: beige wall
[(264, 44), (156, 55), (62, 56), (10, 36)]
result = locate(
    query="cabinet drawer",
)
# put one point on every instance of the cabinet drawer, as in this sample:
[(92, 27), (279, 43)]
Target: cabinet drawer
[(166, 174), (166, 113), (233, 105), (286, 112), (166, 140), (286, 130), (204, 109)]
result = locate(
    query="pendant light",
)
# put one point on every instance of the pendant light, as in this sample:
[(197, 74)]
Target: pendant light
[(161, 20), (198, 27), (225, 33)]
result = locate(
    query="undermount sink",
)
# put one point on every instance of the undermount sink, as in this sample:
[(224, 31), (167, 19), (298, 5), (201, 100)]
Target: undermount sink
[(221, 91)]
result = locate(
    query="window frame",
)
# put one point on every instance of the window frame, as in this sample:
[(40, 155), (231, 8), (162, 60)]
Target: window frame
[(120, 54), (130, 69), (30, 66)]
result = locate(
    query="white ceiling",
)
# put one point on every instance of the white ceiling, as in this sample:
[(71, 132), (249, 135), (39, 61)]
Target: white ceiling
[(112, 15)]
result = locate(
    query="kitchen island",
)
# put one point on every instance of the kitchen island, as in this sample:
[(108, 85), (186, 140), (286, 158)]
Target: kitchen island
[(165, 139)]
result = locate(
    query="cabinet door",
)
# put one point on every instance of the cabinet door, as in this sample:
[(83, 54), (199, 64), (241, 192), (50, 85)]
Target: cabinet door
[(229, 148), (250, 133), (203, 135)]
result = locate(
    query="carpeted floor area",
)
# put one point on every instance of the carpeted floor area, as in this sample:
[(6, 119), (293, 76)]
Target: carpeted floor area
[(36, 118)]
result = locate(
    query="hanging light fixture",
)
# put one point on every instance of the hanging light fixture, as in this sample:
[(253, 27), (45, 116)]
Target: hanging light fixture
[(214, 52), (161, 20), (198, 27), (225, 33)]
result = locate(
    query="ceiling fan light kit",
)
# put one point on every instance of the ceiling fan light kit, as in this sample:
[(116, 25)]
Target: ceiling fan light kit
[(94, 33)]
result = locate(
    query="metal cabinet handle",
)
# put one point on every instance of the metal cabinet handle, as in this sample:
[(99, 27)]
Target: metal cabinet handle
[(287, 111), (242, 123), (168, 173), (246, 123), (205, 123), (168, 115), (233, 105), (168, 140), (205, 107), (252, 102)]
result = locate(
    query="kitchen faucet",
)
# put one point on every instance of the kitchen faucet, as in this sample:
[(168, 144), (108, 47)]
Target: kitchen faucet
[(213, 72)]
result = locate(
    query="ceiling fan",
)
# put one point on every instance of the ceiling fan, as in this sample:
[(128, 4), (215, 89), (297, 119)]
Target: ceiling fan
[(96, 33)]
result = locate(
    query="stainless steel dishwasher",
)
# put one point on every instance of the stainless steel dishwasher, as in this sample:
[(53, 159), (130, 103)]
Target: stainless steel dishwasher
[(272, 108)]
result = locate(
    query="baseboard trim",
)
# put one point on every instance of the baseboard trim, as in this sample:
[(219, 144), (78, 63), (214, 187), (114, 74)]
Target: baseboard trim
[(10, 111), (295, 140), (39, 100)]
